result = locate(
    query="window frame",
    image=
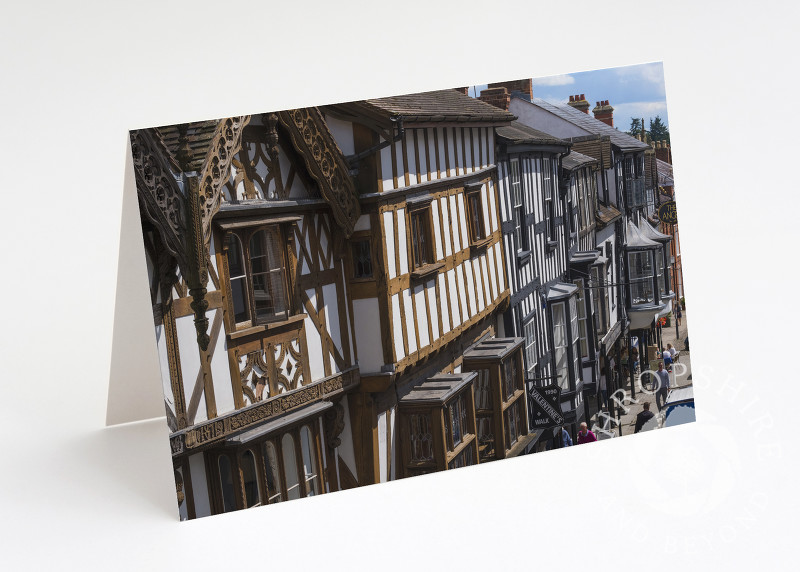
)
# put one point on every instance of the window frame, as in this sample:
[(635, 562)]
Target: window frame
[(475, 235), (422, 213), (517, 205), (244, 234)]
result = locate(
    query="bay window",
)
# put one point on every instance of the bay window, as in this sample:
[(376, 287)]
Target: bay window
[(640, 271)]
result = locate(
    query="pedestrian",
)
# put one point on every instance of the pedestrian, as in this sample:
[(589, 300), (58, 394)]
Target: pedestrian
[(643, 418), (585, 436), (672, 352), (678, 315), (603, 390), (565, 438), (667, 357), (634, 359), (662, 387)]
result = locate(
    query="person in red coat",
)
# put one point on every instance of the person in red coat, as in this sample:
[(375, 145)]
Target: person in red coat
[(585, 436)]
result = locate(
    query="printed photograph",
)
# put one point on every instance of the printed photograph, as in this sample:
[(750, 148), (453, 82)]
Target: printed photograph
[(353, 293)]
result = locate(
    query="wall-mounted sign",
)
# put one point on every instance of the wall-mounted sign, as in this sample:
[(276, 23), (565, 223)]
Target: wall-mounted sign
[(667, 213), (545, 405)]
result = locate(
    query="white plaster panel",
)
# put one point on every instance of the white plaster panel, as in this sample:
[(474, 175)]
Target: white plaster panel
[(315, 363), (501, 285), (457, 369), (437, 234), (422, 316), (453, 221), (388, 226), (481, 303), (323, 246), (189, 356), (362, 223), (213, 259), (462, 217), (411, 155), (402, 248), (448, 249), (442, 305), (442, 162), (423, 161), (345, 450), (451, 152), (459, 150), (202, 413), (485, 278), (342, 131), (397, 328), (368, 334), (332, 320), (412, 338), (492, 214), (398, 154), (220, 372), (347, 318), (434, 166), (382, 446), (462, 291), (476, 145), (451, 280), (430, 290), (386, 167), (484, 153), (491, 146), (197, 469), (394, 455), (468, 159)]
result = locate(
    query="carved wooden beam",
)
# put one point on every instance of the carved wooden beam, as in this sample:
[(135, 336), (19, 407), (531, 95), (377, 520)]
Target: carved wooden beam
[(159, 195), (325, 162), (225, 144)]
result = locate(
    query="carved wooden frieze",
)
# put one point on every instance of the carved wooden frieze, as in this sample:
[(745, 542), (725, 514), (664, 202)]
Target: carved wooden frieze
[(324, 162), (214, 430)]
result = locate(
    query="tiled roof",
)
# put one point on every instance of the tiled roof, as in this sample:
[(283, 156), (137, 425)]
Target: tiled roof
[(664, 173), (592, 125), (199, 135), (437, 106), (575, 160), (519, 133)]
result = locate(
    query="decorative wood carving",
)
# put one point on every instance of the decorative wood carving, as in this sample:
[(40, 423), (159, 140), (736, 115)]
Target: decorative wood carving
[(209, 432), (325, 162), (183, 218), (334, 424)]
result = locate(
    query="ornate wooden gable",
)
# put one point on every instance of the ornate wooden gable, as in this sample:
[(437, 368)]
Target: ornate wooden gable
[(183, 216), (325, 163)]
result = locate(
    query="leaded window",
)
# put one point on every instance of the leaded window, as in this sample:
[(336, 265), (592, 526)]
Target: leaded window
[(475, 215), (560, 345), (640, 268), (518, 206), (420, 437), (530, 347), (362, 259), (421, 237), (582, 331)]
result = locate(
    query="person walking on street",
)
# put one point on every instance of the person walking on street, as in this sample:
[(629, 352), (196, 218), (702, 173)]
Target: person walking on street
[(585, 436), (565, 438), (678, 315), (663, 386), (643, 419)]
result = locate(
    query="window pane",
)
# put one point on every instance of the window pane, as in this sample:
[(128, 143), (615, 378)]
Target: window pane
[(485, 436), (362, 259), (226, 483), (266, 263), (273, 473), (420, 437), (309, 461), (290, 467), (252, 494), (560, 342), (238, 278), (530, 347), (483, 394)]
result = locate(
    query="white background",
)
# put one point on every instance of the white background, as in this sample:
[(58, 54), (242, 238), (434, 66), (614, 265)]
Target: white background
[(75, 78)]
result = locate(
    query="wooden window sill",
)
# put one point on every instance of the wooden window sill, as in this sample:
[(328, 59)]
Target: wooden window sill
[(523, 257), (479, 245), (427, 270), (266, 327)]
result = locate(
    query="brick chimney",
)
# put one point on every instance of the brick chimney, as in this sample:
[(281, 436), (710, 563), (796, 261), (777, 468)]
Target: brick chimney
[(521, 88), (604, 112), (464, 90), (579, 102), (497, 96), (663, 152)]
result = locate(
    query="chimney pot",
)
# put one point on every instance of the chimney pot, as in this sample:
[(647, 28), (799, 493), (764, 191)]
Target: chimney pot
[(582, 97), (572, 98)]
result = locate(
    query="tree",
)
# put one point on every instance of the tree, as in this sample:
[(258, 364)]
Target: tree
[(636, 127), (658, 131)]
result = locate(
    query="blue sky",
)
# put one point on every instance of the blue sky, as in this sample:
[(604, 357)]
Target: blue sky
[(633, 91)]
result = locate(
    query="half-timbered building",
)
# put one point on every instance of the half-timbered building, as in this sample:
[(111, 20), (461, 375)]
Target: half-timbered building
[(427, 280), (245, 223)]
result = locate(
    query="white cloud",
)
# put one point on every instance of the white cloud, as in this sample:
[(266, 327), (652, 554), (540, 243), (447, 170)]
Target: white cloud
[(553, 80), (652, 73), (647, 109)]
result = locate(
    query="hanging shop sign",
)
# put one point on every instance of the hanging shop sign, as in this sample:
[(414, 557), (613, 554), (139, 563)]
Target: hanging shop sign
[(667, 213), (546, 406)]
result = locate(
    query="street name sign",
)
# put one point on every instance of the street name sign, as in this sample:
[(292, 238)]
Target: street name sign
[(545, 405)]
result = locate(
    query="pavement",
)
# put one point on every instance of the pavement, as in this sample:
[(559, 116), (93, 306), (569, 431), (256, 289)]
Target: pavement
[(625, 423)]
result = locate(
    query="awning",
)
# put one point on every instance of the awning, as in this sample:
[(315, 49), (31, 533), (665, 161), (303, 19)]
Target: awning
[(312, 410)]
